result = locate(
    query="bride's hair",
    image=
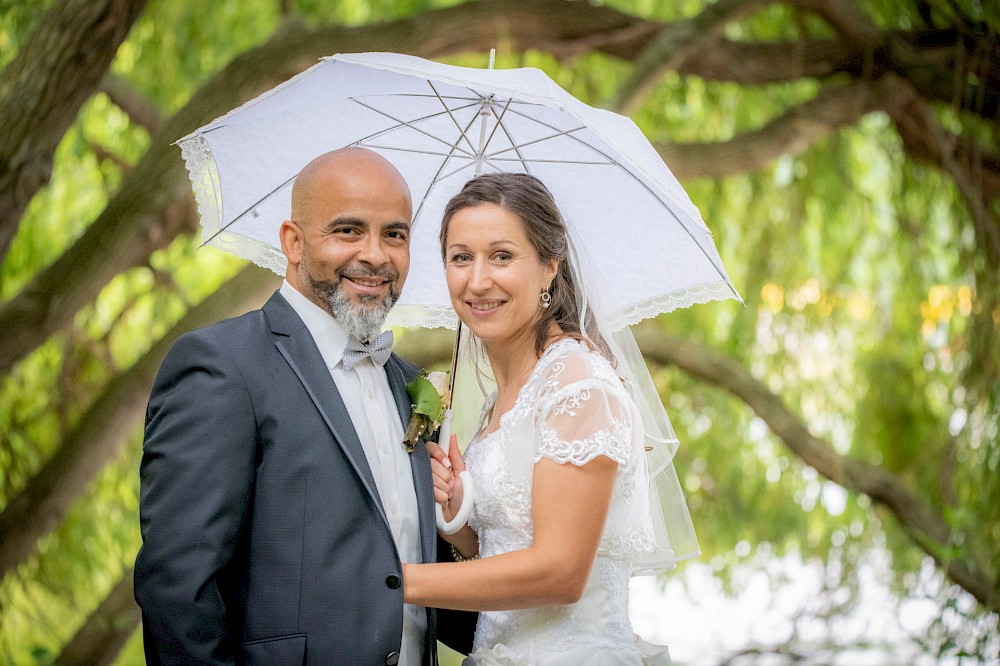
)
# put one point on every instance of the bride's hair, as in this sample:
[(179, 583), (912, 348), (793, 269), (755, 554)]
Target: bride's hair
[(526, 197)]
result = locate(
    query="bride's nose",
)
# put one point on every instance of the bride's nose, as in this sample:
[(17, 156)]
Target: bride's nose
[(480, 277)]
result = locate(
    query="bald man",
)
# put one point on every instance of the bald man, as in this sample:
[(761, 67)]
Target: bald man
[(277, 502)]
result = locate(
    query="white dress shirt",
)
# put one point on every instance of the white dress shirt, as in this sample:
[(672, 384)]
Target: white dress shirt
[(366, 394)]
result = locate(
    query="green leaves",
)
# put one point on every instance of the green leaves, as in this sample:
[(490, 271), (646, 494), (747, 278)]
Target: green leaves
[(864, 281), (425, 397)]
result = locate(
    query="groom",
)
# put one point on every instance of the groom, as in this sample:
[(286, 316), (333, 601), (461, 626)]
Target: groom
[(277, 501)]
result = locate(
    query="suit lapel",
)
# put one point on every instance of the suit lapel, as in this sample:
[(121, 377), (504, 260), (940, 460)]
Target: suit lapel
[(397, 383), (297, 346), (420, 463)]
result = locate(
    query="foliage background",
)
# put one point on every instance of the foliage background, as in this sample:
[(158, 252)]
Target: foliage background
[(860, 380)]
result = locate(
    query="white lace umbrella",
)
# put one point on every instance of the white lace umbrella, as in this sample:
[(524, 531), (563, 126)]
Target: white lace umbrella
[(440, 125)]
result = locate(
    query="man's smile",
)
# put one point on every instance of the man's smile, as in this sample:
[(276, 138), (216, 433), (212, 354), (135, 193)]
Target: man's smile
[(369, 284)]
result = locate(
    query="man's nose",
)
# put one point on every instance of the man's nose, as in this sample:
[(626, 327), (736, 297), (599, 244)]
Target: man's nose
[(373, 252)]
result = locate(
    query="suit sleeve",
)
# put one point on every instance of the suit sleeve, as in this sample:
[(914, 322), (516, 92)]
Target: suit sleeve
[(196, 478)]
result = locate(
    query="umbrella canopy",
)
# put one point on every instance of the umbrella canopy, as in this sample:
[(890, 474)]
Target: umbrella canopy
[(441, 125)]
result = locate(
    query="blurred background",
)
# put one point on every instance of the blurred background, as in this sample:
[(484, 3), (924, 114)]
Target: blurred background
[(839, 433)]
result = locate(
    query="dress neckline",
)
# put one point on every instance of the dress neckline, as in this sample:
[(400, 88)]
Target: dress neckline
[(490, 402)]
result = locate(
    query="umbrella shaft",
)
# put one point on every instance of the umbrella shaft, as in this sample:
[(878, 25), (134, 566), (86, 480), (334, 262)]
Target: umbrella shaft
[(484, 112), (454, 367)]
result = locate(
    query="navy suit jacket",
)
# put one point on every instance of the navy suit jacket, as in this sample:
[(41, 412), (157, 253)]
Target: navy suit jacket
[(264, 538)]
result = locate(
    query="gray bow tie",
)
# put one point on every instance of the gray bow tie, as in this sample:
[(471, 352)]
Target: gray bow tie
[(379, 349)]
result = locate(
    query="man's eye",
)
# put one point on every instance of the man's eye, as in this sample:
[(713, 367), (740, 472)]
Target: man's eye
[(459, 258)]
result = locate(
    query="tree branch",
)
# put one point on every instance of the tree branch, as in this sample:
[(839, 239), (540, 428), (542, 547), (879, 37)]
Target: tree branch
[(106, 630), (906, 58), (975, 172), (43, 88), (676, 43), (928, 529), (758, 63), (789, 134), (140, 109), (103, 153), (107, 424), (845, 17)]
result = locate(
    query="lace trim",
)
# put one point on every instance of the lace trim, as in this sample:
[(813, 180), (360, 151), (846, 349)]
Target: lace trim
[(204, 177), (205, 181), (417, 316), (682, 298), (614, 442)]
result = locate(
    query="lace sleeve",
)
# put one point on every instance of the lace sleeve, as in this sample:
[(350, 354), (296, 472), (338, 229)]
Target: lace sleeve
[(583, 414)]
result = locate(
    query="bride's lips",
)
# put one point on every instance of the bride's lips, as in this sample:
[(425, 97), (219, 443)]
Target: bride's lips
[(485, 308)]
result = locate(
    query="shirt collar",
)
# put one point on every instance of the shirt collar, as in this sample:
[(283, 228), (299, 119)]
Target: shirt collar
[(326, 331)]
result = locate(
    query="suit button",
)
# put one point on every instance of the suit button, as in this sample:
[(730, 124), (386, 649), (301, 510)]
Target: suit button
[(392, 580), (392, 659)]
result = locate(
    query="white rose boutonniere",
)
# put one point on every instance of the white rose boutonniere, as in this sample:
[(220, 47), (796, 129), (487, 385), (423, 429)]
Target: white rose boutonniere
[(429, 395)]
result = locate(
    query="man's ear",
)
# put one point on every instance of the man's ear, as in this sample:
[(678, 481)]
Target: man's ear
[(290, 235)]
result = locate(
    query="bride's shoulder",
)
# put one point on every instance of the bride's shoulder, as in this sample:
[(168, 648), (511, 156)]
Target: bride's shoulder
[(569, 360)]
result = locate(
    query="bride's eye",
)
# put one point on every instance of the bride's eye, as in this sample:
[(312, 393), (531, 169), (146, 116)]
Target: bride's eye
[(503, 257), (460, 258)]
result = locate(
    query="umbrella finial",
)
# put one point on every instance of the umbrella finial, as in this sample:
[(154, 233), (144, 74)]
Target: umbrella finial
[(493, 55)]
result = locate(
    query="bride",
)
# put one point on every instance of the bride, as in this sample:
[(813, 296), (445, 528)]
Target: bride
[(568, 505)]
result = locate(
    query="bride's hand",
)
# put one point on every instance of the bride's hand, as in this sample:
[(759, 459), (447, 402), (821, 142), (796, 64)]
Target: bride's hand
[(445, 469)]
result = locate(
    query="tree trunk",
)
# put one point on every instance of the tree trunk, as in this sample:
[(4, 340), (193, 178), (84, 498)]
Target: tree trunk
[(43, 88), (106, 630)]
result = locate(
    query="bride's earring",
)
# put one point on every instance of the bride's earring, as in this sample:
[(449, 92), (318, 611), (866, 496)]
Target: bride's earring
[(544, 299)]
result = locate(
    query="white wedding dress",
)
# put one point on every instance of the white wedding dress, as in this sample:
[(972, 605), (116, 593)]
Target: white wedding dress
[(572, 409)]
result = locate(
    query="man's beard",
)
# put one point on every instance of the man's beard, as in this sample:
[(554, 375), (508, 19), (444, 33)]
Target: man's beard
[(362, 321)]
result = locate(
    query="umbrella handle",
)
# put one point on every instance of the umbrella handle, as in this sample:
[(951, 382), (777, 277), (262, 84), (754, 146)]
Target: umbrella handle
[(447, 527), (469, 490)]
